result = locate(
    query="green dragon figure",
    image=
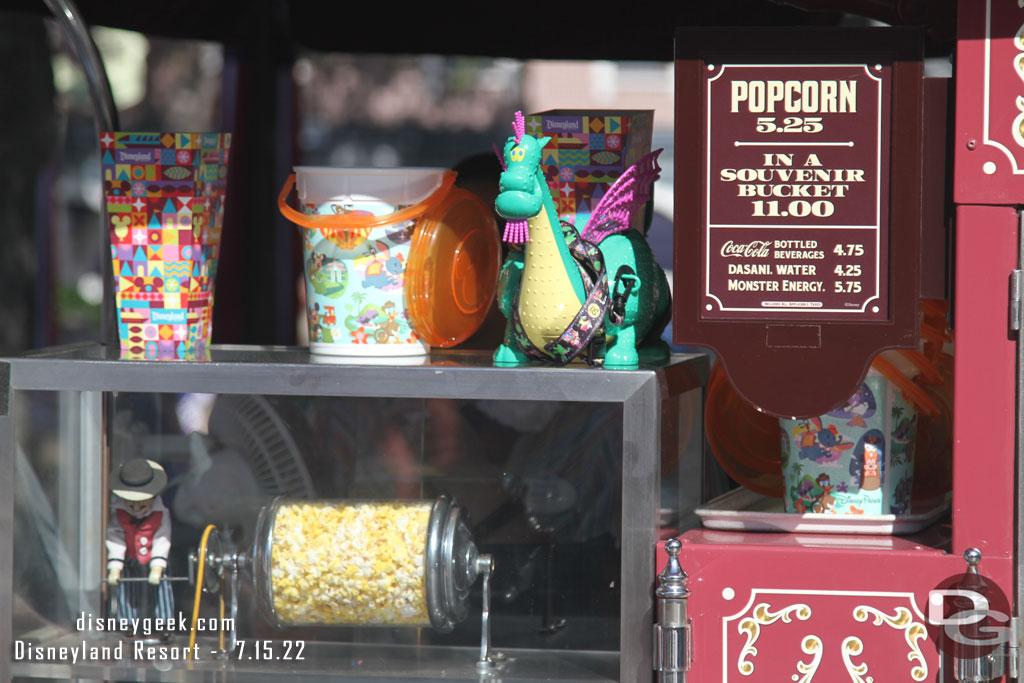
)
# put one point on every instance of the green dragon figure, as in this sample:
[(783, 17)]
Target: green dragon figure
[(597, 294)]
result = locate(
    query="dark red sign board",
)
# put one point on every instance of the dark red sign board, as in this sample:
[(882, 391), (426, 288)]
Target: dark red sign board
[(797, 206), (796, 225)]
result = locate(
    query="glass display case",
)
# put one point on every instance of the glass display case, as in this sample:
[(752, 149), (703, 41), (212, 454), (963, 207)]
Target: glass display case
[(345, 519)]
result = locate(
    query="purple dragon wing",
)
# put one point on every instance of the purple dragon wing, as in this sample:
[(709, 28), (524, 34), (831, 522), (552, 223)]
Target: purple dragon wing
[(501, 157), (630, 192)]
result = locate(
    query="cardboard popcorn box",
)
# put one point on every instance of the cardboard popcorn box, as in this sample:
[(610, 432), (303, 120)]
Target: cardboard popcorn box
[(588, 152)]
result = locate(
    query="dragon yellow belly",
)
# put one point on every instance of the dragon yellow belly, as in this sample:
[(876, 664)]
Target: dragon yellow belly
[(547, 301)]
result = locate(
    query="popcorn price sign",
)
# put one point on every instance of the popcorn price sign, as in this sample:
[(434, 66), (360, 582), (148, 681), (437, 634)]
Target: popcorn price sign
[(796, 222), (797, 206)]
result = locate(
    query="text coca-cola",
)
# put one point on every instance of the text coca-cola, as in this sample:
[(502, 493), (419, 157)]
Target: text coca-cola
[(755, 249)]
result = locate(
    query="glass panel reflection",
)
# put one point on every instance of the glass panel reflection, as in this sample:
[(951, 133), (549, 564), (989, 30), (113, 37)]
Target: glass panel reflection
[(540, 483)]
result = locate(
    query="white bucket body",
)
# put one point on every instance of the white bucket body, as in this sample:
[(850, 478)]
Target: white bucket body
[(355, 281)]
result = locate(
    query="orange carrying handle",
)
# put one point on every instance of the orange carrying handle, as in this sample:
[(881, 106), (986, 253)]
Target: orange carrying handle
[(356, 221), (911, 390)]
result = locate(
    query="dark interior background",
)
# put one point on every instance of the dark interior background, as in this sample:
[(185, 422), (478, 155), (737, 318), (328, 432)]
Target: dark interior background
[(259, 103)]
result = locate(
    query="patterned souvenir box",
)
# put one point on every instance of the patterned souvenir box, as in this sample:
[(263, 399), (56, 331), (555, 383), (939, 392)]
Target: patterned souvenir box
[(588, 152)]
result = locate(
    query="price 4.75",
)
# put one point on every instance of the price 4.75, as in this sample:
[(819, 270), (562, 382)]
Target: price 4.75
[(849, 249)]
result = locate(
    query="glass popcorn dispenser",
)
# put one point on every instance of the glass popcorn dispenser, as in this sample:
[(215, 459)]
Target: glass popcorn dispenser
[(371, 563), (352, 563)]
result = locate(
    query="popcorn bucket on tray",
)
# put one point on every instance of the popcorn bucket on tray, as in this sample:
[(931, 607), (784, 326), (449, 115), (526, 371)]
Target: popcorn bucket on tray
[(859, 458), (911, 390), (164, 200), (395, 260)]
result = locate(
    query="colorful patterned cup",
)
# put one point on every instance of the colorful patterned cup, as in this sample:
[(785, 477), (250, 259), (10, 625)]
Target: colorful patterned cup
[(857, 459), (165, 209)]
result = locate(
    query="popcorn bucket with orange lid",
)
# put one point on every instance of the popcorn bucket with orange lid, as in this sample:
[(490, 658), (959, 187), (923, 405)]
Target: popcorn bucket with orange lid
[(810, 462), (859, 458), (396, 260)]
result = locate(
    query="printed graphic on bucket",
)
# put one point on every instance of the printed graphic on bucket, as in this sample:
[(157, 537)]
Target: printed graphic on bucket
[(857, 459), (355, 288)]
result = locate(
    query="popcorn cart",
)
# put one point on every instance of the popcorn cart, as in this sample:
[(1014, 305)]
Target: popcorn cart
[(783, 596), (450, 519)]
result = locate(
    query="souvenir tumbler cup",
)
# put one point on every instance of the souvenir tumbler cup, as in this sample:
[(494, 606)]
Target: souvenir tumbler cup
[(164, 200)]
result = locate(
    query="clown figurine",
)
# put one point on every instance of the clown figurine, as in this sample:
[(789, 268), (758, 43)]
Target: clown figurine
[(139, 540)]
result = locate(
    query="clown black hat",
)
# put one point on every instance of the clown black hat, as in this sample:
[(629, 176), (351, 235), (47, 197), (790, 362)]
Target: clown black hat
[(138, 479)]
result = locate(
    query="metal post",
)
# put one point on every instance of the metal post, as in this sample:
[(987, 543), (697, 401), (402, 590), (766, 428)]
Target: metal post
[(487, 661), (1016, 308), (79, 40), (673, 644)]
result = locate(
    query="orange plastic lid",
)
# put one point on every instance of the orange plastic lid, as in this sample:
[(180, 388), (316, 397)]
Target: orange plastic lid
[(745, 441), (452, 274)]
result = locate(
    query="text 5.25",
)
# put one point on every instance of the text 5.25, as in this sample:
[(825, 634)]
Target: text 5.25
[(790, 124)]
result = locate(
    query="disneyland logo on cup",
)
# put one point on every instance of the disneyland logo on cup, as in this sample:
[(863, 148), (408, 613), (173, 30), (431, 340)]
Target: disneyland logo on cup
[(562, 125), (968, 616), (755, 249), (136, 156)]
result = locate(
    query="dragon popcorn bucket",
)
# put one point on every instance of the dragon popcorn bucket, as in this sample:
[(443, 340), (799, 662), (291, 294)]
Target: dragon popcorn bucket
[(395, 260)]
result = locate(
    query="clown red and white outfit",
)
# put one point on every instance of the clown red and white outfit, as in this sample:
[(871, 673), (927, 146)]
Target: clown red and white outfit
[(139, 540), (146, 540)]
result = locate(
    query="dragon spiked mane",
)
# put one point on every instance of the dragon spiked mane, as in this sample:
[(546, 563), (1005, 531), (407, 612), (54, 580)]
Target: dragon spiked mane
[(519, 126)]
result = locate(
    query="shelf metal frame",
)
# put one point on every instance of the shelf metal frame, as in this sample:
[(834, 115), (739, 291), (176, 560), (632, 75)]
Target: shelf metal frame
[(94, 369)]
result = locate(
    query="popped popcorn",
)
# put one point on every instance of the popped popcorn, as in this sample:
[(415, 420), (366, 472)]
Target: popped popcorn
[(350, 562)]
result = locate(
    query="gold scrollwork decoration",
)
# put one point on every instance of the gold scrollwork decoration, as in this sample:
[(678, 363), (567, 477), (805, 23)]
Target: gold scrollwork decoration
[(811, 646), (763, 616), (1017, 128), (853, 646), (913, 632)]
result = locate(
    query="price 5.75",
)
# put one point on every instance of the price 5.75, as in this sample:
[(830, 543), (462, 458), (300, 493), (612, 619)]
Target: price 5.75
[(847, 287)]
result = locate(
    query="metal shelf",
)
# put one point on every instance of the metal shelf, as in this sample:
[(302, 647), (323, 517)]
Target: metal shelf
[(294, 371), (84, 376)]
